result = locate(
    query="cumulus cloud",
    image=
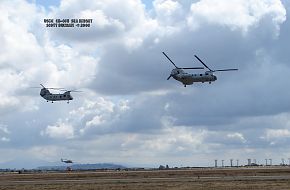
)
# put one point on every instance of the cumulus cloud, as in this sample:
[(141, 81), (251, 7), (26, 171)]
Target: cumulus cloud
[(128, 107), (4, 131), (277, 133), (237, 14), (112, 21), (237, 136), (60, 131), (168, 12)]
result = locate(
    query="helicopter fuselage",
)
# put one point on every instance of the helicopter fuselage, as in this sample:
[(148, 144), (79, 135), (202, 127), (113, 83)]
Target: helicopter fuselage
[(47, 95), (189, 79), (66, 161)]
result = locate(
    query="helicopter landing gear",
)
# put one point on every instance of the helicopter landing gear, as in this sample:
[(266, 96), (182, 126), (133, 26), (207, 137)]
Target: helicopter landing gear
[(209, 83), (185, 85), (68, 102)]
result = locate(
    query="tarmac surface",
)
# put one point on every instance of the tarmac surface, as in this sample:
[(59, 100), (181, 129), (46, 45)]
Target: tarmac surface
[(55, 181), (233, 178)]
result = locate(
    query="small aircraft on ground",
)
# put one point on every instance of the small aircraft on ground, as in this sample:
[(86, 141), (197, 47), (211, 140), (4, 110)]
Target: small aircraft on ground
[(66, 161), (48, 96), (188, 79)]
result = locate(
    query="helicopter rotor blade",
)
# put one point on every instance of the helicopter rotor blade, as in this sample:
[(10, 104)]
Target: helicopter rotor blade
[(226, 70), (202, 62), (192, 68), (64, 90), (46, 88), (50, 88), (75, 91), (55, 88), (170, 60), (169, 77)]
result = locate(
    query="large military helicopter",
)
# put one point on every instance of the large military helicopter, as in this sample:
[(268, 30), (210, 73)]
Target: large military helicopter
[(48, 96), (66, 161), (188, 79), (69, 162)]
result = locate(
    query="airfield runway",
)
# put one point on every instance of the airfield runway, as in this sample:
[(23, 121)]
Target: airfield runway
[(205, 179)]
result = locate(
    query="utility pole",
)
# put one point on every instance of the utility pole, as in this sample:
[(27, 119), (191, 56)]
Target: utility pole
[(249, 161), (237, 163), (266, 162), (215, 163), (231, 160), (223, 163)]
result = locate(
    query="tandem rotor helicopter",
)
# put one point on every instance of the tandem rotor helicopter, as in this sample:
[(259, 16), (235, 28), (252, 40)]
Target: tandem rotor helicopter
[(48, 96), (188, 79), (66, 161)]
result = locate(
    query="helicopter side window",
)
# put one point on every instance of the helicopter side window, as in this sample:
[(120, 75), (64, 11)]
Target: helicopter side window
[(206, 73), (200, 75), (64, 95)]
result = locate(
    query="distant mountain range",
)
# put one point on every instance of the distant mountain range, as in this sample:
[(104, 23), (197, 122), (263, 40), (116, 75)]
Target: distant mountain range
[(83, 167)]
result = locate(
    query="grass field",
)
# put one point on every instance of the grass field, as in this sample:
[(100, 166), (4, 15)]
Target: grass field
[(197, 179)]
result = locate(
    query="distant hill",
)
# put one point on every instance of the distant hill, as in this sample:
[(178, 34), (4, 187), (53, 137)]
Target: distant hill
[(83, 167)]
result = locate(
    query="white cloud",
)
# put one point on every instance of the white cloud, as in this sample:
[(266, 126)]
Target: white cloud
[(101, 21), (4, 129), (97, 120), (48, 153), (127, 106), (5, 139), (7, 102), (277, 133), (177, 139), (168, 12), (236, 14), (59, 131), (237, 136), (99, 114)]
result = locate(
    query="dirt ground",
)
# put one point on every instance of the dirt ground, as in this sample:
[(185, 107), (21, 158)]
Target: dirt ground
[(186, 179)]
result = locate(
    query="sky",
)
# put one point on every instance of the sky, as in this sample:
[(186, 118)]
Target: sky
[(128, 113)]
